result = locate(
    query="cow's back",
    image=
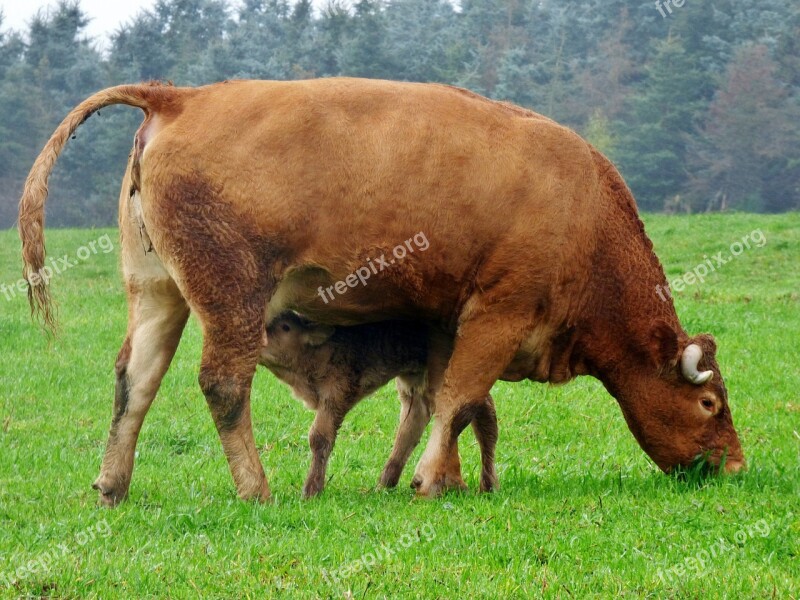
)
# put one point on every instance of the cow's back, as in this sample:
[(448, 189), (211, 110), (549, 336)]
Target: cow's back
[(340, 171)]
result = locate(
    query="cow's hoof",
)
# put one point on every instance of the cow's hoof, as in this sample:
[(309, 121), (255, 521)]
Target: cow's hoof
[(261, 499), (427, 490), (437, 485), (453, 479), (259, 493), (110, 495)]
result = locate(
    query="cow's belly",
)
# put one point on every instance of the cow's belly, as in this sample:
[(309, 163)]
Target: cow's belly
[(543, 355), (344, 299)]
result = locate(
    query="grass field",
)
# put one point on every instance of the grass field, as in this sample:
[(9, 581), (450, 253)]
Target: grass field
[(581, 511)]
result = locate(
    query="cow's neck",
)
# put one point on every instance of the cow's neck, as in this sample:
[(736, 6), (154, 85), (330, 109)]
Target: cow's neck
[(628, 296), (613, 338)]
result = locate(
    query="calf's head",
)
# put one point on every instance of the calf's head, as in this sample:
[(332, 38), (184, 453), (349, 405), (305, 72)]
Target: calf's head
[(290, 338), (676, 404)]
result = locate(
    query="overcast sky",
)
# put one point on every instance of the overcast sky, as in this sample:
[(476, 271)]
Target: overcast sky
[(106, 15)]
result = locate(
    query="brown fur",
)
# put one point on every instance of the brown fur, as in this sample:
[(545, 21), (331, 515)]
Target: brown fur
[(152, 98), (538, 265), (332, 369)]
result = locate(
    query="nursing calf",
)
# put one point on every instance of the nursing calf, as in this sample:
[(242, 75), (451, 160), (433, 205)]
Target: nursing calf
[(332, 368)]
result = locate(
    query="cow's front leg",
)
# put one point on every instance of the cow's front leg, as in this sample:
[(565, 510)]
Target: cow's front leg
[(484, 425), (440, 349), (157, 315), (321, 438), (483, 348)]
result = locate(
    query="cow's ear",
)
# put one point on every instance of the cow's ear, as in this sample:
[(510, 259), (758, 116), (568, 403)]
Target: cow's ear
[(317, 335), (664, 345)]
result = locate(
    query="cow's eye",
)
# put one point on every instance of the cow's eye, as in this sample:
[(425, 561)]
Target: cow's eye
[(285, 327), (707, 403)]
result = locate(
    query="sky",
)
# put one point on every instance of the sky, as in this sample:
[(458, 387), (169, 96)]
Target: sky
[(106, 15)]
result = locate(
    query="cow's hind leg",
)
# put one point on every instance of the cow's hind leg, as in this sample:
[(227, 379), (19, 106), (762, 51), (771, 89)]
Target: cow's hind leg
[(225, 269), (414, 417), (157, 316), (231, 348)]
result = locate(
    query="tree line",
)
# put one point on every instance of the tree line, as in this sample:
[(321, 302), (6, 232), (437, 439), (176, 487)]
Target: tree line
[(698, 103)]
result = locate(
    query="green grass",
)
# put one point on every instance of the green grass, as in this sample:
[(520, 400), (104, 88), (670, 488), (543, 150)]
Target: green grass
[(581, 511)]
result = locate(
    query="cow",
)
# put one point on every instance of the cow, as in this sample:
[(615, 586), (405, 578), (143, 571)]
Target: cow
[(243, 199), (331, 369)]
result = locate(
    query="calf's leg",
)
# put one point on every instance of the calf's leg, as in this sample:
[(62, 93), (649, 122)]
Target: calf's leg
[(321, 439), (484, 425), (414, 417), (440, 350), (417, 393)]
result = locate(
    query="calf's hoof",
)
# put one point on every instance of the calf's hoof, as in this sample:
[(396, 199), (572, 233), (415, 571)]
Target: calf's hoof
[(312, 489), (391, 475), (488, 482), (111, 492)]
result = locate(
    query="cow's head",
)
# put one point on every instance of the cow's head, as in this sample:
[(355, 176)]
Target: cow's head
[(677, 405), (290, 337)]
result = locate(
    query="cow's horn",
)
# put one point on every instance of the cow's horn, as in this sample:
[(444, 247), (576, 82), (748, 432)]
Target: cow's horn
[(691, 356)]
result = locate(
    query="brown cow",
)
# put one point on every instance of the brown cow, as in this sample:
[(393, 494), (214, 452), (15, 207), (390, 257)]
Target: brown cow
[(249, 192), (332, 368)]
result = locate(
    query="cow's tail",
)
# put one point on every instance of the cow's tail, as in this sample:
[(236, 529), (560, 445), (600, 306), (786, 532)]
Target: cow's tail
[(150, 97)]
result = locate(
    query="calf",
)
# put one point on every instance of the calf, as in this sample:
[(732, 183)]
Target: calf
[(332, 368)]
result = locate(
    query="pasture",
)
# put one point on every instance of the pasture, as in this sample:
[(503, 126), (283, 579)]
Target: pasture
[(581, 511)]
